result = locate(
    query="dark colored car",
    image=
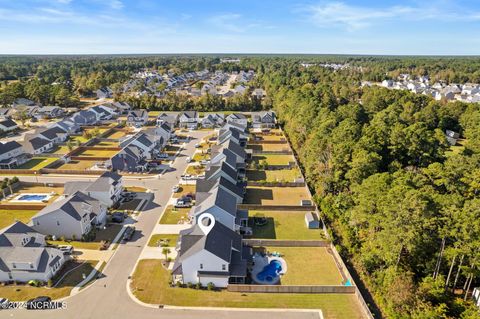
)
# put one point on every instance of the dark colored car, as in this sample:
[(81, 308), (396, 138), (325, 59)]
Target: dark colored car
[(118, 217), (38, 303), (127, 235)]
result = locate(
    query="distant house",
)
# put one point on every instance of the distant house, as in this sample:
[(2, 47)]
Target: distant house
[(84, 117), (259, 93), (103, 93), (237, 118), (68, 126), (263, 119), (37, 145), (211, 254), (452, 137), (312, 221), (171, 119), (70, 217), (5, 113), (54, 134), (24, 102), (387, 83), (137, 118), (143, 141), (188, 119), (12, 155), (49, 112), (240, 89), (102, 113), (129, 159), (8, 125), (107, 188), (213, 120), (24, 255)]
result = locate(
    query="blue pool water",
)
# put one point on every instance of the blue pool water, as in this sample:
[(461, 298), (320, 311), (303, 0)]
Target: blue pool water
[(29, 198), (270, 271)]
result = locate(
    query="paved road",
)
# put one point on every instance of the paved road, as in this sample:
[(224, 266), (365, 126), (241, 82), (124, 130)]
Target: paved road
[(108, 298)]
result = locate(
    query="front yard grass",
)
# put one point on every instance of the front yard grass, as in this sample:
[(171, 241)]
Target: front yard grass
[(37, 163), (107, 234), (289, 196), (283, 225), (184, 190), (174, 215), (135, 189), (171, 149), (8, 217), (63, 288), (308, 266), (195, 169), (197, 157), (273, 159), (169, 239), (281, 175), (150, 285)]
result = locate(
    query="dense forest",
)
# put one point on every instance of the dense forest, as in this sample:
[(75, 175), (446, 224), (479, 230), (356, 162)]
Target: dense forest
[(402, 205)]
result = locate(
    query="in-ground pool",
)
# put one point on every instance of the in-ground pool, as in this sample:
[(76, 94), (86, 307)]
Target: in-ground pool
[(270, 272), (31, 198)]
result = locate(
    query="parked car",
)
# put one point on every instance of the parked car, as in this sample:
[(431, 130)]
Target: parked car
[(189, 159), (162, 155), (38, 303), (184, 202), (4, 303), (176, 188), (197, 145), (67, 249), (127, 235), (118, 217)]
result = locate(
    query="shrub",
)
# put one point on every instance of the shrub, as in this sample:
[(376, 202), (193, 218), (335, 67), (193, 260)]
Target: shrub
[(50, 283), (179, 284), (189, 285), (198, 286), (210, 286), (62, 238)]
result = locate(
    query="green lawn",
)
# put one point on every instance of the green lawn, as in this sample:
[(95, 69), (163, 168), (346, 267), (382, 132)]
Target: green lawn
[(195, 169), (174, 215), (157, 239), (276, 195), (37, 163), (107, 234), (273, 159), (197, 157), (115, 135), (283, 225), (78, 165), (150, 285), (287, 175), (269, 147), (62, 150), (79, 139), (98, 153), (7, 217), (308, 266), (62, 289), (106, 144)]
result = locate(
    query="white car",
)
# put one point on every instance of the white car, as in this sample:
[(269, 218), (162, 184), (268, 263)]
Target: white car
[(176, 188), (189, 159)]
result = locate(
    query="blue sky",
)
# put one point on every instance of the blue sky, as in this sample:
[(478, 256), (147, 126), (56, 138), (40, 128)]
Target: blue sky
[(249, 26)]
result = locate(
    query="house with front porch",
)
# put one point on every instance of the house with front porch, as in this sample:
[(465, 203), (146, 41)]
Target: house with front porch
[(12, 155)]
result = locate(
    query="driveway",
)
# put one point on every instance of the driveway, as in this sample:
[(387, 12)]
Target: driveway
[(108, 298)]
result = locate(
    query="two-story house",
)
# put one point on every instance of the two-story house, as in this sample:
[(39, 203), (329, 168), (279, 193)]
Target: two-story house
[(137, 118), (12, 155)]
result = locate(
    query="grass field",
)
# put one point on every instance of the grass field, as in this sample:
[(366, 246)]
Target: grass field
[(174, 215), (184, 190), (79, 139), (62, 150), (116, 135), (7, 217), (195, 169), (269, 147), (150, 285), (171, 149), (78, 165), (308, 266), (283, 225), (276, 195), (287, 175), (156, 239), (197, 157), (271, 137), (107, 234), (273, 159), (63, 288), (106, 144), (37, 163), (97, 153)]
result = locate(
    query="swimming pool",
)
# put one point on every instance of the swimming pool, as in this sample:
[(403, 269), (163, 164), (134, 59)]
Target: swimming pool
[(32, 198), (270, 272)]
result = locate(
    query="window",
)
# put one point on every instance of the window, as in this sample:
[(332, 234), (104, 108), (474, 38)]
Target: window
[(14, 266), (224, 267), (201, 266), (58, 223), (31, 266)]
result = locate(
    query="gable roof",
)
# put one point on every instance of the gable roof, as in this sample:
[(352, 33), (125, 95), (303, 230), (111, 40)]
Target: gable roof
[(8, 146), (8, 123), (71, 205)]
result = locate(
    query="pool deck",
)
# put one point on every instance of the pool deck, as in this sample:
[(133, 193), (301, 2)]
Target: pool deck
[(261, 262)]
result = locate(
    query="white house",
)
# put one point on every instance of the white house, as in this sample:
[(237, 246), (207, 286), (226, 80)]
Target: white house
[(37, 145), (8, 125), (24, 255), (209, 252), (137, 118), (188, 119), (12, 155), (237, 118)]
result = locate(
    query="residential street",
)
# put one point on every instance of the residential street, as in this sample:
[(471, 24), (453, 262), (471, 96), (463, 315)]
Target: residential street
[(107, 297)]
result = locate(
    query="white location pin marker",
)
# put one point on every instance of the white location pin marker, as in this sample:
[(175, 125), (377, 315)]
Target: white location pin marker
[(206, 222)]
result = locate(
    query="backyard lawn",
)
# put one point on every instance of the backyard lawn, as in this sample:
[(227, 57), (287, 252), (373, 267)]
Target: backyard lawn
[(106, 144), (276, 195), (283, 225), (7, 217), (78, 165), (62, 150), (271, 137), (37, 163), (287, 175), (184, 190), (308, 266), (107, 234), (273, 159), (269, 147), (80, 139), (115, 135), (150, 285), (174, 215), (98, 153), (62, 288), (157, 239)]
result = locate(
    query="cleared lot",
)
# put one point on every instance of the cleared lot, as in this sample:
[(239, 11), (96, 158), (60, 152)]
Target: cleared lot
[(273, 159), (276, 195), (286, 175)]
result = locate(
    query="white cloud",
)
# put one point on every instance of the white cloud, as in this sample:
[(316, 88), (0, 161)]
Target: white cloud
[(340, 14), (116, 4)]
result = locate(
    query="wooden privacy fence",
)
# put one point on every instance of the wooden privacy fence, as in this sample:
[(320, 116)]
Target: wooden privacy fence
[(286, 243), (276, 184), (277, 207), (292, 289), (284, 141), (282, 152)]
